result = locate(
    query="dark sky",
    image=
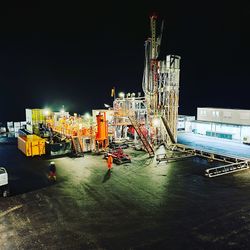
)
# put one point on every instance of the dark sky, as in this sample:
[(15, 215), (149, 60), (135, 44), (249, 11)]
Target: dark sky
[(71, 54)]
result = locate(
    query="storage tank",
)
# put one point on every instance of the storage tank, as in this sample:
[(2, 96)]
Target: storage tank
[(102, 129)]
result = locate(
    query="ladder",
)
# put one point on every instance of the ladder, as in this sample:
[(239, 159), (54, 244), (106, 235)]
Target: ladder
[(143, 138), (170, 134), (227, 169), (78, 147)]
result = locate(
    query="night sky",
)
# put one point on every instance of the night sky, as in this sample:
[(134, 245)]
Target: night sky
[(72, 54)]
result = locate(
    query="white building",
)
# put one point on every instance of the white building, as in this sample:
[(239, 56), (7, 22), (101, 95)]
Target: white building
[(185, 123), (232, 124)]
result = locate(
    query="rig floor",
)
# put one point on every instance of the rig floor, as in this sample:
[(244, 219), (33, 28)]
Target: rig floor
[(140, 205)]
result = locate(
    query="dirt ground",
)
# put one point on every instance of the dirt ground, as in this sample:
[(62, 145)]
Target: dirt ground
[(139, 205)]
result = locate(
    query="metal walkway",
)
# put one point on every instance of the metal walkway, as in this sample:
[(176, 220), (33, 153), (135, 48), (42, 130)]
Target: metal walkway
[(227, 169), (166, 158), (234, 164)]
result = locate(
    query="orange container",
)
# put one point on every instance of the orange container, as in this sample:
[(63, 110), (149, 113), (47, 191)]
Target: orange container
[(102, 129)]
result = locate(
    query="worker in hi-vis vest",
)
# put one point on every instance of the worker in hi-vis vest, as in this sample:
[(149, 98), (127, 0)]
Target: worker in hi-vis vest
[(110, 161)]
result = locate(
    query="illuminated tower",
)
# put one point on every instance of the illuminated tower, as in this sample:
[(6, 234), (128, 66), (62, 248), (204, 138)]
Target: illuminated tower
[(161, 87)]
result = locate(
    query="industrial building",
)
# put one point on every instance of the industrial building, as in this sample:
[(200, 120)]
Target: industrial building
[(185, 123), (231, 124)]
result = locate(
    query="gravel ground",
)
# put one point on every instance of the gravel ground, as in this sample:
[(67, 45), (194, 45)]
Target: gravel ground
[(139, 205)]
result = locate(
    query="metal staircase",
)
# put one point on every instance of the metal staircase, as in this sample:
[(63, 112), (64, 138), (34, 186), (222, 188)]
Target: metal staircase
[(143, 138), (227, 169), (78, 147)]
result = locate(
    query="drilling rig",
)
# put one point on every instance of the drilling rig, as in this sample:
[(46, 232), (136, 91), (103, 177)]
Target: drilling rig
[(161, 88)]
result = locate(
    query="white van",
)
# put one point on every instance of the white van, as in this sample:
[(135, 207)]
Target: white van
[(4, 185)]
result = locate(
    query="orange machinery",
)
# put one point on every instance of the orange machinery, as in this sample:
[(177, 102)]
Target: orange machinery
[(102, 131), (72, 127)]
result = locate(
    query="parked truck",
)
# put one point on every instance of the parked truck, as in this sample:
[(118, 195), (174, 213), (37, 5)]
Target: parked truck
[(4, 185)]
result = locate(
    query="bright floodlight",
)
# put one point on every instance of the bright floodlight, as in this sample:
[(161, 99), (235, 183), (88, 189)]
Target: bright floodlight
[(156, 122), (121, 95), (46, 112), (87, 116), (106, 105)]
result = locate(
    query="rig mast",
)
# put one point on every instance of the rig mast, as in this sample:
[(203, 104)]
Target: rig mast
[(161, 87)]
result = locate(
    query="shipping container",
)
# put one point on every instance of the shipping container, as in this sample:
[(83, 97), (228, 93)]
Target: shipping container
[(2, 130), (10, 126), (35, 116), (23, 125), (17, 124), (31, 145)]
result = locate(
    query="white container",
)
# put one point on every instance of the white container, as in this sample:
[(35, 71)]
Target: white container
[(2, 130), (10, 125), (17, 124)]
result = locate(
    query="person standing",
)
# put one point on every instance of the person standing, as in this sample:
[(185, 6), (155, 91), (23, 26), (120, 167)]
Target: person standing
[(52, 171), (110, 161)]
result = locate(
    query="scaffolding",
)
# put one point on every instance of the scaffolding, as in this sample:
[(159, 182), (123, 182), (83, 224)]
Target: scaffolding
[(161, 87)]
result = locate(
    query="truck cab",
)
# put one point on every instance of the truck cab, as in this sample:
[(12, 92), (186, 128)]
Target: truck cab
[(4, 185)]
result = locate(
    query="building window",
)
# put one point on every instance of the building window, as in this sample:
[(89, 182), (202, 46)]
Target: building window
[(203, 112), (215, 113), (227, 114)]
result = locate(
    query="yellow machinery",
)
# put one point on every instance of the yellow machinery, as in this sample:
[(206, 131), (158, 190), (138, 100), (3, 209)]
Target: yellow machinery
[(31, 145), (34, 117)]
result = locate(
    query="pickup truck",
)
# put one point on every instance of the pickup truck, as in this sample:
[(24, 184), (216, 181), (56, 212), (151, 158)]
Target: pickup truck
[(4, 185)]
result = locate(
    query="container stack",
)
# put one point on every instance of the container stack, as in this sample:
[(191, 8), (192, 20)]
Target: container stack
[(10, 126), (23, 125), (17, 126)]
